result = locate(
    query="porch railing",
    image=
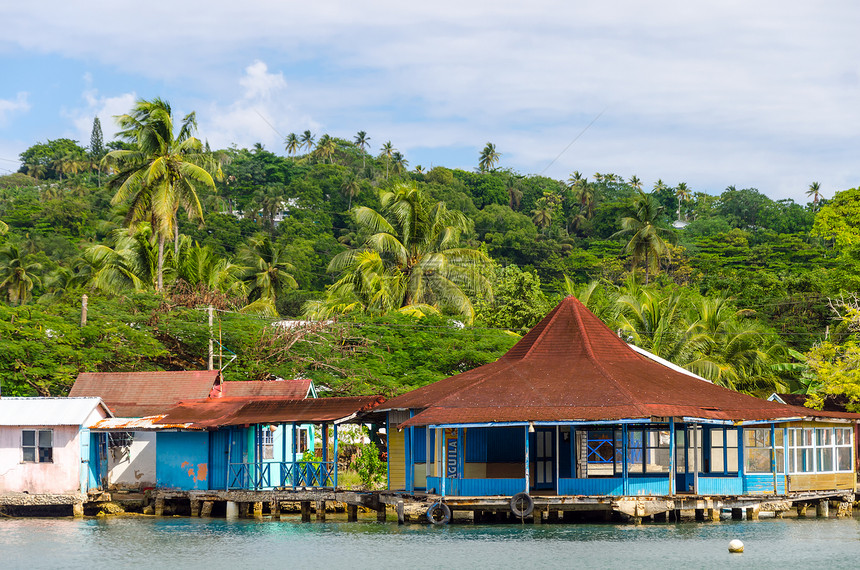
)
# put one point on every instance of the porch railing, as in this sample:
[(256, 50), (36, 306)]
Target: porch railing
[(282, 474)]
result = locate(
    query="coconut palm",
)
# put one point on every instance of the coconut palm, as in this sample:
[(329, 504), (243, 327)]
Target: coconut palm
[(126, 263), (542, 215), (682, 192), (307, 140), (388, 151), (635, 182), (400, 162), (814, 192), (267, 271), (161, 173), (489, 158), (647, 243), (411, 262), (292, 143), (18, 275), (350, 187), (199, 265), (362, 141), (326, 148)]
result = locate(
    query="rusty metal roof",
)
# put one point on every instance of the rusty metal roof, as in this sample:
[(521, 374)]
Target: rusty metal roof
[(571, 367), (138, 394), (295, 388), (227, 411)]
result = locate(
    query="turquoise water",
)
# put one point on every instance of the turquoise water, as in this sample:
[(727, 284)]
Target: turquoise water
[(166, 543)]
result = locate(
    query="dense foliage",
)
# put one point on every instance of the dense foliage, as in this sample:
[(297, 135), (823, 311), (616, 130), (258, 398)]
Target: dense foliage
[(420, 274)]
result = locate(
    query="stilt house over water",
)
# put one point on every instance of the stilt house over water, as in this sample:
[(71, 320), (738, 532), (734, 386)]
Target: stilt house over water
[(572, 409)]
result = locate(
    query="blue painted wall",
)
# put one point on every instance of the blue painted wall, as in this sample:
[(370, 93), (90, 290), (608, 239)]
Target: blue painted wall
[(182, 460)]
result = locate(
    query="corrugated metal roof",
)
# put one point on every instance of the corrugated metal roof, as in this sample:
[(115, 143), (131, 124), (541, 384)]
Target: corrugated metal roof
[(571, 367), (139, 394), (228, 411), (47, 411), (295, 388), (136, 424)]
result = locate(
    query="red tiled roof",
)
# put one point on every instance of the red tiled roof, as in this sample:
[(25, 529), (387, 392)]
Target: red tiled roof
[(226, 411), (139, 394), (571, 367), (296, 388)]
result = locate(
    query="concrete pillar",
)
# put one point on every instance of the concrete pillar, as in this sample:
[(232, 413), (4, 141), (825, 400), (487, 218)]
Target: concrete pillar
[(194, 507), (700, 515), (320, 509), (752, 513), (206, 509), (714, 515), (737, 514), (232, 510), (258, 509), (77, 510), (351, 513), (400, 512), (306, 511), (159, 507), (822, 510), (275, 509), (380, 513), (244, 509)]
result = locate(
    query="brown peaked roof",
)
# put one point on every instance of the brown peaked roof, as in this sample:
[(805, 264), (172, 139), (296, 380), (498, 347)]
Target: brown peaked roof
[(226, 411), (296, 388), (139, 394), (571, 367)]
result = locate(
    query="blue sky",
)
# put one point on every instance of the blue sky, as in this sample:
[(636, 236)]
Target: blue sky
[(761, 94)]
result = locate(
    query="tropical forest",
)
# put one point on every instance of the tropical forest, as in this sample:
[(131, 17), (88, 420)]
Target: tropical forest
[(332, 257)]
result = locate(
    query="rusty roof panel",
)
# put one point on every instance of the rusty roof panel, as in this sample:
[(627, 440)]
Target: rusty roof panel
[(572, 367), (138, 394), (296, 388), (136, 424), (227, 411)]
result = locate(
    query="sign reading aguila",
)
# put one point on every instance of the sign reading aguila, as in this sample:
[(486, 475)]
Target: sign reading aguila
[(452, 451)]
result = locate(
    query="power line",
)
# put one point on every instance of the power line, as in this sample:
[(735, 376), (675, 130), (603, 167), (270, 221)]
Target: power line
[(576, 138)]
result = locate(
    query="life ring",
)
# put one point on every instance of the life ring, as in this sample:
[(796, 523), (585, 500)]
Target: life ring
[(439, 513), (522, 505)]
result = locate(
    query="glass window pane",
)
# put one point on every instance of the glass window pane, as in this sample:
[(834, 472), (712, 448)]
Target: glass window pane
[(778, 437), (45, 438), (717, 463), (732, 460), (843, 459), (731, 438), (46, 455), (28, 437), (825, 459), (716, 438), (29, 454)]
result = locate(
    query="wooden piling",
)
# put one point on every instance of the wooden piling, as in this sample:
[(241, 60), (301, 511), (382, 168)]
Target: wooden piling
[(752, 513), (206, 509), (380, 513), (401, 512), (244, 509), (737, 514), (306, 511), (275, 509), (822, 509), (351, 513), (714, 515), (320, 510)]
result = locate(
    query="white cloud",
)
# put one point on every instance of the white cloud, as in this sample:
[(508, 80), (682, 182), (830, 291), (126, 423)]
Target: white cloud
[(103, 107), (9, 107), (259, 83)]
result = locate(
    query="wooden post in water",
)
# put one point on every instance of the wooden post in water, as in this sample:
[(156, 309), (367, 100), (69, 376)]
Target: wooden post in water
[(195, 507), (400, 513), (206, 510), (159, 507), (752, 513), (351, 513), (380, 513), (320, 508), (306, 511), (822, 510)]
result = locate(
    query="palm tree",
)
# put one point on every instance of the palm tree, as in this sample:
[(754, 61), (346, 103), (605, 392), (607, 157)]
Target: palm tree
[(350, 187), (362, 141), (161, 173), (682, 192), (489, 157), (307, 140), (814, 192), (18, 275), (419, 169), (326, 148), (659, 186), (646, 237), (126, 263), (267, 272), (400, 162), (542, 215), (635, 182), (388, 151), (411, 262), (293, 143), (198, 265), (4, 227)]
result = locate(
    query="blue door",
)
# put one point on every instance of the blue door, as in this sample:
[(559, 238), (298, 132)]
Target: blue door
[(543, 458), (688, 455), (219, 456)]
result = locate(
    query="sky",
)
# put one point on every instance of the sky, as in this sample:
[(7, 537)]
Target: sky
[(762, 94)]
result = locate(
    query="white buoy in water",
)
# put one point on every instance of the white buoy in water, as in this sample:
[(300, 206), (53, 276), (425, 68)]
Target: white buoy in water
[(736, 546)]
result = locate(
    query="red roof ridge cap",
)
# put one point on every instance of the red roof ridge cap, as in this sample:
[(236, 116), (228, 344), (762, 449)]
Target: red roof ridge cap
[(586, 340)]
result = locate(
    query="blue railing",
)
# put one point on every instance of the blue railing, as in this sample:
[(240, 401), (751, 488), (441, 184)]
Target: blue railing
[(282, 474)]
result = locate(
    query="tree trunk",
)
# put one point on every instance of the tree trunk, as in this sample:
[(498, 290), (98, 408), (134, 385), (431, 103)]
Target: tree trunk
[(159, 285)]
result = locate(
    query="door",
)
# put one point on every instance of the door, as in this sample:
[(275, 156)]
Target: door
[(544, 458), (688, 457), (219, 454)]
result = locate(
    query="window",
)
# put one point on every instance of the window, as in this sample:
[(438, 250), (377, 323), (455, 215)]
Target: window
[(120, 439), (268, 443), (647, 450), (601, 452), (301, 440), (723, 450), (759, 454), (820, 450), (37, 445)]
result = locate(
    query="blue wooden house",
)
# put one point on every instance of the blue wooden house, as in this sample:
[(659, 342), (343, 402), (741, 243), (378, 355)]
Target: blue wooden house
[(572, 409)]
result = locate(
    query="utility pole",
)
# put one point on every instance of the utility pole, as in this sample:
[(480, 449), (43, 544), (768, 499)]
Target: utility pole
[(211, 351), (84, 309)]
